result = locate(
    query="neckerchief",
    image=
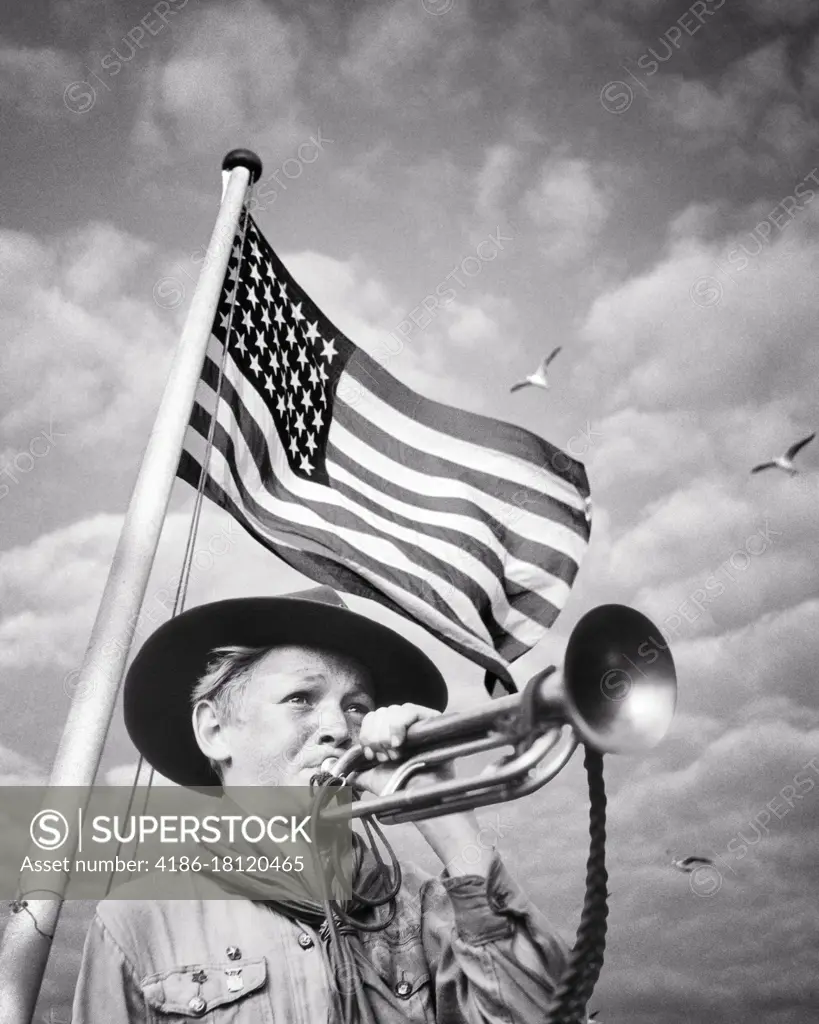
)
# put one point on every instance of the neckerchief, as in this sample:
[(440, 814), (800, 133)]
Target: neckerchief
[(298, 896)]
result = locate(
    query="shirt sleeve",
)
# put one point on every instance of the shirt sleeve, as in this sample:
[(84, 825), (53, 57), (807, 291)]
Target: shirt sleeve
[(108, 987), (493, 955)]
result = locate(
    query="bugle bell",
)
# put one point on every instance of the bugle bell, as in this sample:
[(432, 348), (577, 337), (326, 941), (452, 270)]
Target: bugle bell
[(616, 692)]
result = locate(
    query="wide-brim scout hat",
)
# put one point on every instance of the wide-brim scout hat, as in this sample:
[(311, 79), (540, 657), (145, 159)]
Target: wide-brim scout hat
[(162, 677)]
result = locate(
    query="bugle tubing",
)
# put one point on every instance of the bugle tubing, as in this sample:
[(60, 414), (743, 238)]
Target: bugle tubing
[(607, 695)]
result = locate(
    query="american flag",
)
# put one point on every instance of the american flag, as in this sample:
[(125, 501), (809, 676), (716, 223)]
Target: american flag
[(469, 526)]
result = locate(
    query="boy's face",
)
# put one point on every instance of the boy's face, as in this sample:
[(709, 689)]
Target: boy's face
[(300, 706)]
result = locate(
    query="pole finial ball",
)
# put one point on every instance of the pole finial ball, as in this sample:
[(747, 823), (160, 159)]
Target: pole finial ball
[(244, 158)]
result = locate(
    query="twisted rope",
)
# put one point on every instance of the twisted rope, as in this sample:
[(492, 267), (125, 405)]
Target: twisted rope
[(586, 961)]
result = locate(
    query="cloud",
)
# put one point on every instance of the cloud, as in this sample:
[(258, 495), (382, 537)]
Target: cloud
[(695, 108), (80, 319), (567, 207), (786, 129), (398, 43), (33, 80), (754, 114), (714, 941), (494, 178), (630, 445), (697, 326), (697, 220), (545, 44), (782, 12), (98, 260), (233, 71), (386, 43), (46, 630), (772, 655), (470, 325), (18, 770), (712, 556)]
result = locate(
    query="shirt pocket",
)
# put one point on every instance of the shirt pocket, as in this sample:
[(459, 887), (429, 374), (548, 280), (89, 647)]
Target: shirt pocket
[(396, 972), (229, 992)]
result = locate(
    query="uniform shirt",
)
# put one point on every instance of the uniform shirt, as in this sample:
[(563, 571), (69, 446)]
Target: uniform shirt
[(469, 949)]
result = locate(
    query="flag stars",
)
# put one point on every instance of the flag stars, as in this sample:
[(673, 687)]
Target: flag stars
[(292, 357)]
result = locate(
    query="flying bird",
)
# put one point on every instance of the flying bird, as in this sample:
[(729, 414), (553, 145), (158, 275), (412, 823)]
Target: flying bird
[(689, 864), (785, 462), (537, 379)]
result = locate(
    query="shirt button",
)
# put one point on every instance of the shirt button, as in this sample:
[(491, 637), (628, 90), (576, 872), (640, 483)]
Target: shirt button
[(197, 1005), (403, 989), (305, 941), (233, 952)]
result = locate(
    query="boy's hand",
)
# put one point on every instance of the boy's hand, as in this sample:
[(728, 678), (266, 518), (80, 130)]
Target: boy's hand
[(382, 734)]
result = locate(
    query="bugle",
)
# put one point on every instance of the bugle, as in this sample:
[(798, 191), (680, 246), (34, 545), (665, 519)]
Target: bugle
[(608, 695)]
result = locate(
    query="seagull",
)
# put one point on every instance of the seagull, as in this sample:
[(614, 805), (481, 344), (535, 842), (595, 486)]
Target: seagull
[(785, 462), (538, 379), (689, 864)]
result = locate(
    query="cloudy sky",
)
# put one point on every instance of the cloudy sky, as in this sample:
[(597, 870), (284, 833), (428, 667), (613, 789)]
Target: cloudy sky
[(650, 169)]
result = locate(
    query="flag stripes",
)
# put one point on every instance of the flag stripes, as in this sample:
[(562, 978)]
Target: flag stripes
[(471, 527)]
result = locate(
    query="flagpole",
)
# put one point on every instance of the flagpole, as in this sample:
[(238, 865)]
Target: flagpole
[(26, 941)]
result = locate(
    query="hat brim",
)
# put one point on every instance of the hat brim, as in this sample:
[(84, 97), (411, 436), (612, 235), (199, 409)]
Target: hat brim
[(162, 677)]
